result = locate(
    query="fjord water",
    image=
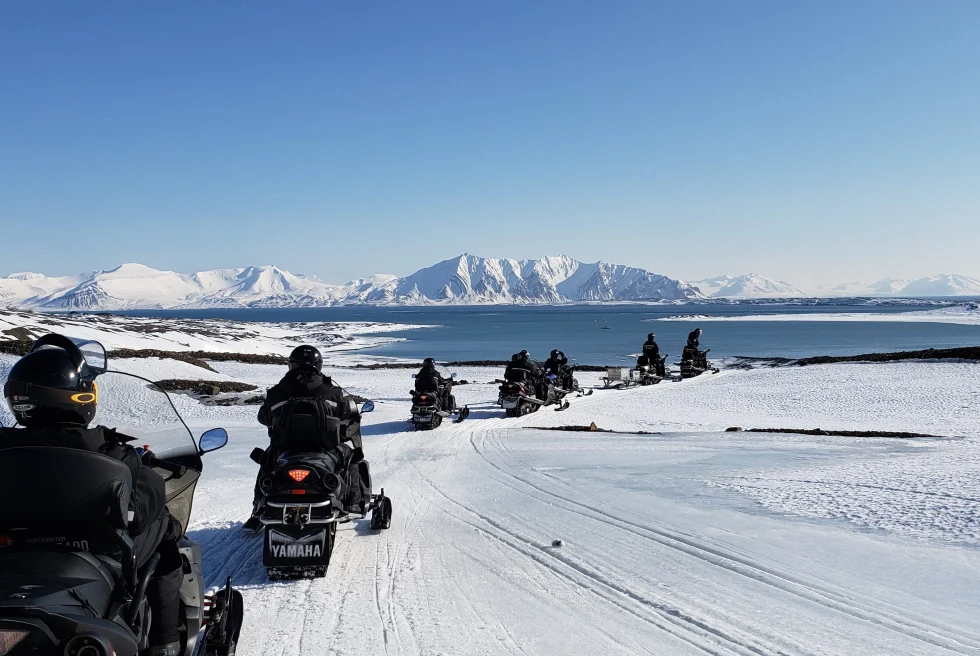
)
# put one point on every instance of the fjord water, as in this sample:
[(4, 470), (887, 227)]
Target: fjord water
[(495, 332)]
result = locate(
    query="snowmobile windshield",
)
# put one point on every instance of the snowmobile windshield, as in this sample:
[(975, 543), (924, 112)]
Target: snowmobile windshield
[(142, 410)]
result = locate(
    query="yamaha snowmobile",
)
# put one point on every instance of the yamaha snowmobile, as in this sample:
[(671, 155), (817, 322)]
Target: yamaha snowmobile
[(427, 410), (695, 362), (69, 585), (308, 492)]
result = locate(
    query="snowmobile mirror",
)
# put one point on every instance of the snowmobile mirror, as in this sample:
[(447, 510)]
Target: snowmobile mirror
[(368, 406), (454, 375), (415, 375), (94, 354), (213, 440), (257, 455)]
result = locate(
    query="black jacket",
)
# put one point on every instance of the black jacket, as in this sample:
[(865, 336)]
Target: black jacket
[(304, 383), (149, 498), (652, 350), (298, 383), (556, 366), (428, 379), (692, 339), (528, 363)]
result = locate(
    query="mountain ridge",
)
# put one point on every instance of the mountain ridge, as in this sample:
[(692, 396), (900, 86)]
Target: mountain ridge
[(467, 279), (463, 280)]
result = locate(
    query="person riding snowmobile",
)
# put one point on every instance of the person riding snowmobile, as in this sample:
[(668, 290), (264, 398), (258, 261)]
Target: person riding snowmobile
[(429, 381), (693, 337), (523, 360), (52, 394), (651, 349), (305, 380), (651, 356), (557, 364), (693, 352)]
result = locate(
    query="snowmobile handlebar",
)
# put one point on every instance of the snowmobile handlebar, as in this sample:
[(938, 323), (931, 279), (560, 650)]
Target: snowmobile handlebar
[(157, 463)]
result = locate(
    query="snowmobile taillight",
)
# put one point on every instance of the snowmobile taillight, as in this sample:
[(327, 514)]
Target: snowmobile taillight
[(6, 541), (299, 475), (10, 639), (299, 491)]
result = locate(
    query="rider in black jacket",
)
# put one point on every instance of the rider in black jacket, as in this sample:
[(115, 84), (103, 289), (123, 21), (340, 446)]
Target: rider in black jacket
[(52, 394), (303, 380), (429, 381)]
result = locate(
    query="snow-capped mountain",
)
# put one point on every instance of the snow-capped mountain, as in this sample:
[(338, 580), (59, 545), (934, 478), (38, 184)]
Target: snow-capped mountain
[(473, 279), (751, 285), (943, 285), (467, 279), (884, 287)]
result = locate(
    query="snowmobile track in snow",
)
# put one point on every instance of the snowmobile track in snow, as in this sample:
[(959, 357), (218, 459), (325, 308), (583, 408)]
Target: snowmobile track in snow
[(900, 620)]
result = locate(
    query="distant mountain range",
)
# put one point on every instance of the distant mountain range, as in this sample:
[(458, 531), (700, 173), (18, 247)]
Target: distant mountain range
[(467, 279)]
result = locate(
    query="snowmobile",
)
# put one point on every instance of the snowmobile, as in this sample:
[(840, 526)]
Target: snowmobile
[(303, 502), (427, 410), (521, 395), (68, 580), (643, 374), (651, 373), (695, 362)]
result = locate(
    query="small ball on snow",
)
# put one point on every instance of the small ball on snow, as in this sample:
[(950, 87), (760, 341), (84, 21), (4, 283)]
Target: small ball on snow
[(557, 543)]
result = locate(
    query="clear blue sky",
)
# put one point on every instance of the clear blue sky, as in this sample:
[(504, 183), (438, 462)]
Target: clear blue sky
[(815, 141)]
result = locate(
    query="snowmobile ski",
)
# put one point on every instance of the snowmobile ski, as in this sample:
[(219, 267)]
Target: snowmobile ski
[(381, 515), (463, 414), (564, 406)]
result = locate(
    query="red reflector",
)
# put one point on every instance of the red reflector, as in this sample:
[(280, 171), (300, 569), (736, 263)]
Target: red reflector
[(299, 475), (10, 638), (6, 541), (299, 491)]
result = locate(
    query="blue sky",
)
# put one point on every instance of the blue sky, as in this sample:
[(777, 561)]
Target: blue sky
[(808, 141)]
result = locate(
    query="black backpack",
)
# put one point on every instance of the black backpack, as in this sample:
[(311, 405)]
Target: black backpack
[(307, 423)]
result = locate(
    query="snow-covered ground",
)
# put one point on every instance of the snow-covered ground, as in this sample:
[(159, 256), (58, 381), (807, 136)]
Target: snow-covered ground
[(690, 541), (212, 335)]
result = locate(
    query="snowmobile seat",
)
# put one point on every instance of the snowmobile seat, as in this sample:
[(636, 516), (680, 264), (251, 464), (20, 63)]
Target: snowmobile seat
[(74, 583), (516, 375), (77, 501)]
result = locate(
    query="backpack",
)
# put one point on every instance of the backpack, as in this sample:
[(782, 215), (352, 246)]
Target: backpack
[(307, 423)]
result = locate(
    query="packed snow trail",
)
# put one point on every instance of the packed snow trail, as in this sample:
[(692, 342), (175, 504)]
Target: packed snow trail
[(658, 558)]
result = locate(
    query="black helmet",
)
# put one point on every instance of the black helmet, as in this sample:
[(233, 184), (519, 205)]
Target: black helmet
[(52, 385), (698, 330), (524, 354), (650, 335), (428, 362), (555, 353), (305, 356)]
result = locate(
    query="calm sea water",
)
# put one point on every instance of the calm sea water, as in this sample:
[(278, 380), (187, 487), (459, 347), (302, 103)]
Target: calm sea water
[(495, 332)]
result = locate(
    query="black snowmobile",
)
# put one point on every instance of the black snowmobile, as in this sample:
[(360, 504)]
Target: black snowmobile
[(650, 373), (68, 581), (694, 362), (520, 394), (427, 410), (304, 494)]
